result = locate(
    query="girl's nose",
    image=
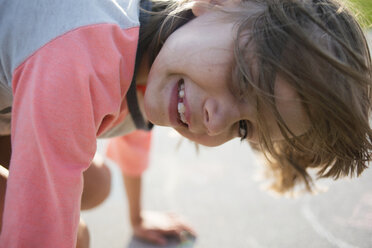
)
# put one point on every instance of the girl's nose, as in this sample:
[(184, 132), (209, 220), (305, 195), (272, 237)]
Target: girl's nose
[(218, 116)]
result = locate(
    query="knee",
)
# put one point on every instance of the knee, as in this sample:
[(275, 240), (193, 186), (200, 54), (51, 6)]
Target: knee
[(97, 185), (82, 235)]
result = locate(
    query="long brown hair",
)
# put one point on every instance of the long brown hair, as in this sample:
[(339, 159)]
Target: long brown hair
[(321, 51)]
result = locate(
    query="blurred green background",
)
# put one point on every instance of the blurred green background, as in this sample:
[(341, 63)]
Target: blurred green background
[(364, 9)]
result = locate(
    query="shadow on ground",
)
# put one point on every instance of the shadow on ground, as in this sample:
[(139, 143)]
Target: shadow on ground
[(136, 243)]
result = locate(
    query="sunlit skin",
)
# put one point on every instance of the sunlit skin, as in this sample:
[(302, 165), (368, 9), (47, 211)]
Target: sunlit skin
[(201, 53)]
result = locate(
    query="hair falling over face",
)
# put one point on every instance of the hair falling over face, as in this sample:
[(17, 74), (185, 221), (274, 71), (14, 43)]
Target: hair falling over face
[(318, 47), (321, 51)]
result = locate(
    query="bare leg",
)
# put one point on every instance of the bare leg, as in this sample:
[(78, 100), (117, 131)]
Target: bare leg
[(3, 178), (5, 151), (82, 235), (97, 185)]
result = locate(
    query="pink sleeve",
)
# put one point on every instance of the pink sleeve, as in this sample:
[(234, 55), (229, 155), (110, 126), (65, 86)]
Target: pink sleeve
[(131, 152), (62, 94)]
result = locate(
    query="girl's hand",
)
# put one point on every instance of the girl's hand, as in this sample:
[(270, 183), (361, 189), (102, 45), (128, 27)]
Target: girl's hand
[(154, 227)]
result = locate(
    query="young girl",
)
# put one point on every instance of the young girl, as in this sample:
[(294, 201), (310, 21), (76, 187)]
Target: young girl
[(292, 77)]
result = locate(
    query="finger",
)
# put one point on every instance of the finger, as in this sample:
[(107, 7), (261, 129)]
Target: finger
[(190, 231), (180, 223), (170, 232), (155, 238), (186, 229), (179, 233), (187, 236)]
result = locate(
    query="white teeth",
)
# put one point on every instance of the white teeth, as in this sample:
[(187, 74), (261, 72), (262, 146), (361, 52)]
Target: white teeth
[(181, 111), (181, 108), (183, 118), (181, 93)]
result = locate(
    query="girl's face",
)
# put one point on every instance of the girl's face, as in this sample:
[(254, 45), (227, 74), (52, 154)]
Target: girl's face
[(189, 87)]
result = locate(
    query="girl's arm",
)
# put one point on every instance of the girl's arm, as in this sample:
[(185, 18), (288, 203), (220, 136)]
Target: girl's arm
[(131, 153), (134, 192), (63, 94), (154, 227)]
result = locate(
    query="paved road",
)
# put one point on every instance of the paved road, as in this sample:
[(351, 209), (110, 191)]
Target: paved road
[(218, 192)]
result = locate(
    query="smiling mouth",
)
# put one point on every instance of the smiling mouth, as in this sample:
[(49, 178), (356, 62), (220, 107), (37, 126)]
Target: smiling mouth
[(181, 106)]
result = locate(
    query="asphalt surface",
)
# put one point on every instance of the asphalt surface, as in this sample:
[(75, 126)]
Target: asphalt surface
[(219, 193)]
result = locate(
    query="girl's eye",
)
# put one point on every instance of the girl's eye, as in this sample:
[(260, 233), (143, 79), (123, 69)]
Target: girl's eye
[(243, 129)]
